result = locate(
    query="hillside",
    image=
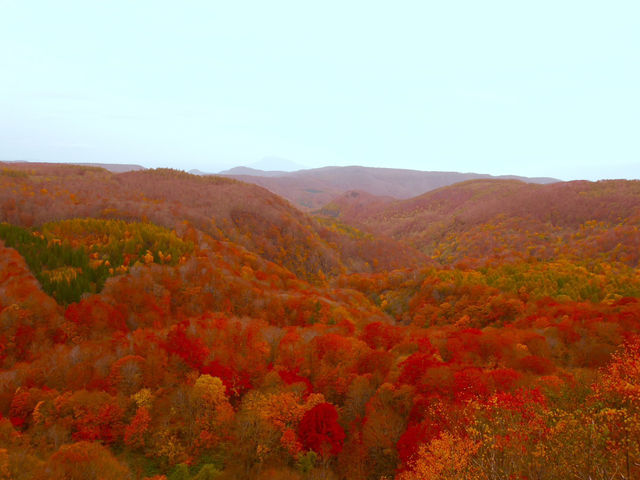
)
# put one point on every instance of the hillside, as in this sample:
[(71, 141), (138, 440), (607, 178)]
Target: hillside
[(156, 325), (114, 167), (226, 209), (484, 219), (314, 188)]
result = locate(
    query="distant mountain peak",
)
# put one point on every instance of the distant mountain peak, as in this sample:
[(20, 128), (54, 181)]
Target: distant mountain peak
[(271, 164)]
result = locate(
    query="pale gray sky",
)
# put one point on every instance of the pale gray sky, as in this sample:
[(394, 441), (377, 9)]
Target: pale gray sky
[(545, 88)]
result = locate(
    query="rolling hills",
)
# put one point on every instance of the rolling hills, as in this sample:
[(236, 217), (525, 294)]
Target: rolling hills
[(226, 209), (156, 325), (313, 188), (483, 219)]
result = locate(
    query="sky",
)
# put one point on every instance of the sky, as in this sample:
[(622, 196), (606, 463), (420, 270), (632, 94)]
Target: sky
[(535, 88)]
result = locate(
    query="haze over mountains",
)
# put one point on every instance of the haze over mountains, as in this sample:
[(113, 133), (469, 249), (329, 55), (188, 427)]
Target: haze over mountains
[(311, 189), (112, 167), (480, 217), (491, 218), (224, 208)]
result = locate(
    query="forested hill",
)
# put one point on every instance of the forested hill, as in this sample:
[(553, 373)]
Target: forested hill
[(156, 325), (33, 194), (485, 219), (312, 188)]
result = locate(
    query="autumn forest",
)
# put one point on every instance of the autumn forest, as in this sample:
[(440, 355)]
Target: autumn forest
[(165, 326)]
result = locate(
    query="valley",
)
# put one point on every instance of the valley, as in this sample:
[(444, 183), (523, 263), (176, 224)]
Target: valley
[(160, 325)]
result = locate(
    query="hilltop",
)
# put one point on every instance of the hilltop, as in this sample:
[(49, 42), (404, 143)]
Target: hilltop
[(313, 188), (506, 218), (221, 207)]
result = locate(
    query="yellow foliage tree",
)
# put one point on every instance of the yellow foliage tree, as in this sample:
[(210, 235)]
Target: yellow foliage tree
[(445, 458)]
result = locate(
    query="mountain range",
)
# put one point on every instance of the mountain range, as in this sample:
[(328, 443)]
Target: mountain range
[(313, 188)]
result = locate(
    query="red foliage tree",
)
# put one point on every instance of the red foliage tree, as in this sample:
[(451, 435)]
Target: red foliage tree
[(135, 432), (381, 335), (413, 437), (469, 383), (93, 316), (320, 431), (192, 350), (504, 379), (414, 367), (237, 383), (291, 376)]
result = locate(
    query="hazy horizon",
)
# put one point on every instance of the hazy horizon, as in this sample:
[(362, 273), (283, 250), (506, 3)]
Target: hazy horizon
[(260, 166), (548, 90)]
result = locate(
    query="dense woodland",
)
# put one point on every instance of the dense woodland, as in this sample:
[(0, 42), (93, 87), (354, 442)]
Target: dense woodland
[(158, 325)]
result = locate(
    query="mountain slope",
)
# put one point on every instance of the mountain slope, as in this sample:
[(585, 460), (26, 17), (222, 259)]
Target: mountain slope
[(484, 218), (144, 352), (226, 209), (313, 188)]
